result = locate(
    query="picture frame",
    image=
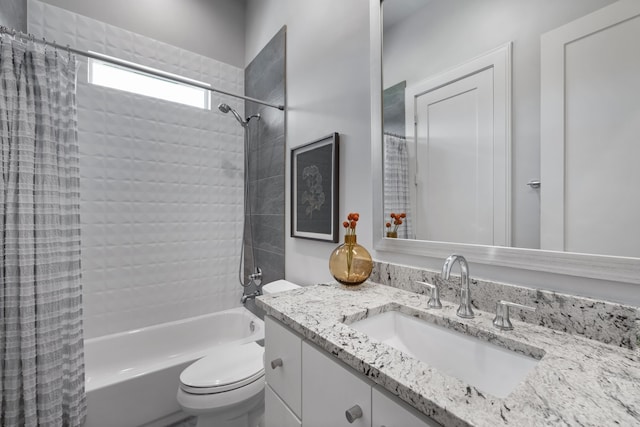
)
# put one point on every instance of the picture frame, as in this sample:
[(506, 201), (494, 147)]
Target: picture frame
[(314, 189)]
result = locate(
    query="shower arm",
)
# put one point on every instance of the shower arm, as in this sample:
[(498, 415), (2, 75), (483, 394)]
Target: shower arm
[(225, 108)]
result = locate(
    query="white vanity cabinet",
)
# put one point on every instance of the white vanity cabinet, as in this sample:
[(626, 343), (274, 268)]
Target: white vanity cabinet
[(311, 388), (389, 411), (329, 390), (277, 412), (283, 374)]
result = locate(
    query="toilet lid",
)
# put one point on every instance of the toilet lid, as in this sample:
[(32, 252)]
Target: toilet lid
[(223, 369)]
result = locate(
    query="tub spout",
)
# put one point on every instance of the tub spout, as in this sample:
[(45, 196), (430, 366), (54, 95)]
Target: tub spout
[(252, 295)]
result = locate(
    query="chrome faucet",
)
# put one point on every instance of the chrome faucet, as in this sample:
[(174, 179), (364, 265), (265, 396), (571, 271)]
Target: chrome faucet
[(252, 295), (464, 310), (256, 280)]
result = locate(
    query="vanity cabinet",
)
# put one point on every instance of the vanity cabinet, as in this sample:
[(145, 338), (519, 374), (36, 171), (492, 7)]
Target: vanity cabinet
[(278, 413), (389, 411), (323, 390), (283, 374), (329, 390)]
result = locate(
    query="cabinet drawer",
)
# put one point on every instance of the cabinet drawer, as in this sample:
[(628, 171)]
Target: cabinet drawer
[(330, 389), (389, 411), (283, 348), (277, 413)]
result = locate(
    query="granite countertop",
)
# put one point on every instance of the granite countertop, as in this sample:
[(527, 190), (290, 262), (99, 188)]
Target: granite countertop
[(576, 382)]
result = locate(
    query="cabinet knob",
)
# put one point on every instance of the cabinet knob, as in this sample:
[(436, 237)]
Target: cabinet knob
[(275, 363), (353, 413)]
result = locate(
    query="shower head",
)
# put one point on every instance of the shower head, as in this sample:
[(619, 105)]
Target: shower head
[(244, 123)]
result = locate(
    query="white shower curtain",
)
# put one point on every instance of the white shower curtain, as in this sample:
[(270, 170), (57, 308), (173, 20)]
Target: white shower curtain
[(41, 342), (396, 182)]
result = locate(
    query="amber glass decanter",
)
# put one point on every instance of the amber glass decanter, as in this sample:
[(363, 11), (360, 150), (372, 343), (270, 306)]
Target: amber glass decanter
[(350, 263)]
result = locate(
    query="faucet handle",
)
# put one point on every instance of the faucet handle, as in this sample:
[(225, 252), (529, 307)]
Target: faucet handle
[(256, 279), (434, 295), (502, 321)]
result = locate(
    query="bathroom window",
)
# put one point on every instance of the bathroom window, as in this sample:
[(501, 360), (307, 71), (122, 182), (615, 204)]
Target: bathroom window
[(119, 77)]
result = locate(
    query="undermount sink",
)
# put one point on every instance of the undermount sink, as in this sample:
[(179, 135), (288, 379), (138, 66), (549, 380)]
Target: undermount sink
[(488, 367)]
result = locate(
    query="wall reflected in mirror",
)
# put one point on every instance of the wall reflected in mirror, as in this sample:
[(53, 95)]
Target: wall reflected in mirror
[(575, 61)]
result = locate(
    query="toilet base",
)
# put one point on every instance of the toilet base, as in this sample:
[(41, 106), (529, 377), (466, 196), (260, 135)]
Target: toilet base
[(246, 413), (254, 418)]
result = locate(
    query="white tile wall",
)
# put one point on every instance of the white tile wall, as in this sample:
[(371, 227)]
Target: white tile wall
[(161, 184)]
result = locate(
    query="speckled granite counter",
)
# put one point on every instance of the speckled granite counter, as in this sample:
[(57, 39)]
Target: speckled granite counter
[(577, 382)]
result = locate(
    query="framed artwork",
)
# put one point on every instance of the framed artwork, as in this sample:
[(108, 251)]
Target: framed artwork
[(314, 189)]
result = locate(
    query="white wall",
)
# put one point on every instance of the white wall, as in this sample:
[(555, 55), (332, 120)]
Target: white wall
[(213, 28), (161, 184), (520, 21), (327, 91)]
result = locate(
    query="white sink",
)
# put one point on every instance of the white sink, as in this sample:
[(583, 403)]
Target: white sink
[(486, 366)]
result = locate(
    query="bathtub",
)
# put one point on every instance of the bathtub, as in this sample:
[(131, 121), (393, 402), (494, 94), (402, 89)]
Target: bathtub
[(132, 377)]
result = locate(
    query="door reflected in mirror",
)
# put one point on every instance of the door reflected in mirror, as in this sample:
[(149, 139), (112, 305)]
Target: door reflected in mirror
[(464, 140)]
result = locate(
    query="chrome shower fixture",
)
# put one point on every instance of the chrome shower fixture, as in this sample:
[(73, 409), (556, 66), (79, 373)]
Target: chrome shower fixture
[(244, 123)]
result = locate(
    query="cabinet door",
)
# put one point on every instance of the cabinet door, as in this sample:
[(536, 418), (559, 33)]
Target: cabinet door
[(282, 347), (391, 412), (277, 413), (330, 389)]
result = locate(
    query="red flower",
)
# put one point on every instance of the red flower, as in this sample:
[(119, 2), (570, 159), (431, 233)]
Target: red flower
[(351, 222), (397, 221)]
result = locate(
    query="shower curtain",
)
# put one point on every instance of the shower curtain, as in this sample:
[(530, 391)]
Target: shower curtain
[(396, 182), (41, 341)]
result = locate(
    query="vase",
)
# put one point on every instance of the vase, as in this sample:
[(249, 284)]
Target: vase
[(392, 234), (350, 263)]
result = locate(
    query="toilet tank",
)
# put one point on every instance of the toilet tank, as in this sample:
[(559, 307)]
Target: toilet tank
[(278, 286)]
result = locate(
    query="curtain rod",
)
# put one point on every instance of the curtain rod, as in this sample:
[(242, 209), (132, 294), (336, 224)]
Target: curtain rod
[(142, 69)]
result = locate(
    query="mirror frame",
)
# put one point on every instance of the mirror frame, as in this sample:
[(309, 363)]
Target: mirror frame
[(603, 267)]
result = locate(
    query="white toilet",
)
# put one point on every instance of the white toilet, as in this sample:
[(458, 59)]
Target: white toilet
[(226, 387)]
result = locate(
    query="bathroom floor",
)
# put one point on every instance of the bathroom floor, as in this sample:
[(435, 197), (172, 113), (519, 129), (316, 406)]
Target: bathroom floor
[(187, 422)]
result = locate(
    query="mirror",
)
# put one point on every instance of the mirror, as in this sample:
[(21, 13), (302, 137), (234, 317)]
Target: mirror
[(585, 205)]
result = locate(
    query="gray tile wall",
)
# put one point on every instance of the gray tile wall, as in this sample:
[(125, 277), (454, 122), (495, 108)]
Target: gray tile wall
[(265, 80), (13, 14), (393, 109)]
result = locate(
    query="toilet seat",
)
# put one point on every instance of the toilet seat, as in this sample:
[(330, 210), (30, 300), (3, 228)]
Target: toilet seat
[(224, 369)]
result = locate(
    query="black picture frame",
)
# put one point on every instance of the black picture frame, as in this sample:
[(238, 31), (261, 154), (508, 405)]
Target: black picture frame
[(314, 189)]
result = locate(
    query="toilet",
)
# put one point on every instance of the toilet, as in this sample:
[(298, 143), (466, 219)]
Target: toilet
[(226, 387)]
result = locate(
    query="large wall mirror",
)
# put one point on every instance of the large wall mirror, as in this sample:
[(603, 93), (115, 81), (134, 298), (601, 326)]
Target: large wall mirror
[(508, 130)]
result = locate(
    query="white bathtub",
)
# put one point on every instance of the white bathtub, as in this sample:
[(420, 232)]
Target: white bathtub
[(132, 377)]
